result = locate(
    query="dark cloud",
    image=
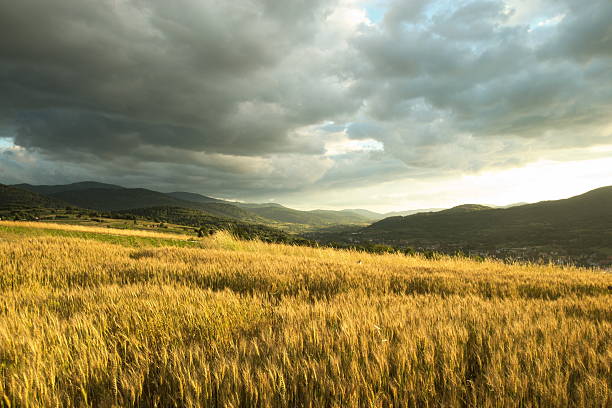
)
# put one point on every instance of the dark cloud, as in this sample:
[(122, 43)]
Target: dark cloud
[(585, 32), (243, 98), (208, 76)]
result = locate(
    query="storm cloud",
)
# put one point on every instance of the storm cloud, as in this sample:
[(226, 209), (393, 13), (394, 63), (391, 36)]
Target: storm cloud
[(252, 98)]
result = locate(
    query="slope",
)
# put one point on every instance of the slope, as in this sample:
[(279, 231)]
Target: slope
[(53, 189), (199, 219), (13, 198), (584, 220), (315, 217), (130, 198), (195, 198)]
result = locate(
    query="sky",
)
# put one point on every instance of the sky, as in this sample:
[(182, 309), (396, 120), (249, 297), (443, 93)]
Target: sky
[(381, 104)]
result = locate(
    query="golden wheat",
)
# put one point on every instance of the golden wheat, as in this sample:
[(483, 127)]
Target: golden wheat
[(235, 323), (98, 230)]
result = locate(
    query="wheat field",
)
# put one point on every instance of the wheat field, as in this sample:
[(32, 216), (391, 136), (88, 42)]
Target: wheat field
[(229, 323)]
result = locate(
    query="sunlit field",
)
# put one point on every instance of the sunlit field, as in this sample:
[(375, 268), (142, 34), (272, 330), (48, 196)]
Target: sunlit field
[(88, 318)]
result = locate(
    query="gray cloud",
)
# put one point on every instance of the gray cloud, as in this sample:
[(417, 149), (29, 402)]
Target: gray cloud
[(585, 33), (241, 98), (207, 76), (466, 76)]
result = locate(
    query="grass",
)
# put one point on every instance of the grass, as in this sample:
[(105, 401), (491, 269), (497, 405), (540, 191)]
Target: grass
[(132, 238), (88, 321)]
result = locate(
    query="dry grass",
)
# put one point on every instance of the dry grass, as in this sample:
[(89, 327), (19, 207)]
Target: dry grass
[(99, 230), (88, 323)]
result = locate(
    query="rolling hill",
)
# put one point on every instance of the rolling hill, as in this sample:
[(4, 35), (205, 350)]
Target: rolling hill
[(109, 197), (584, 220), (195, 198), (370, 215), (129, 198), (105, 199), (257, 205), (13, 198), (465, 208), (200, 219), (374, 216), (53, 189), (411, 212), (315, 217)]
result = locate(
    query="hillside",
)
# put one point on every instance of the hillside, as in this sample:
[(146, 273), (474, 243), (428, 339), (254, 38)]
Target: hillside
[(581, 221), (315, 217), (367, 214), (374, 216), (257, 205), (53, 189), (117, 199), (105, 318), (199, 219), (130, 198), (195, 198), (12, 198), (465, 208), (107, 197), (411, 212), (224, 210)]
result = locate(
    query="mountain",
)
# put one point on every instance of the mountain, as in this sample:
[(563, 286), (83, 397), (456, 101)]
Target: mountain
[(465, 208), (200, 219), (374, 216), (109, 197), (116, 199), (53, 189), (315, 217), (13, 198), (224, 210), (370, 215), (507, 206), (258, 205), (339, 217), (411, 212), (196, 198), (584, 220), (129, 198)]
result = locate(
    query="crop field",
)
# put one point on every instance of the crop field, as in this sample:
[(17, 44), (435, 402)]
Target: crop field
[(108, 318)]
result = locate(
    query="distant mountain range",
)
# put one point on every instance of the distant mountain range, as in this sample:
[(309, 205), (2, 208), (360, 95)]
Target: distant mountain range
[(110, 197)]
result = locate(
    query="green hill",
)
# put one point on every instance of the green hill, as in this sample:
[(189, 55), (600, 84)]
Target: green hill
[(130, 198), (116, 199), (411, 212), (110, 197), (230, 211), (200, 219), (13, 198), (257, 205), (196, 198), (370, 215), (578, 222), (339, 217), (465, 208), (314, 218), (53, 189)]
